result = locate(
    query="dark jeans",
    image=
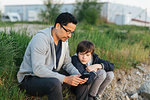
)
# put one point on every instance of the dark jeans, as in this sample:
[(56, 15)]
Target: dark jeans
[(36, 86), (81, 92)]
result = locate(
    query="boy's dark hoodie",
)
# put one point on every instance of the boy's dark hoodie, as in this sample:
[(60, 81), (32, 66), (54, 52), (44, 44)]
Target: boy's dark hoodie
[(107, 66)]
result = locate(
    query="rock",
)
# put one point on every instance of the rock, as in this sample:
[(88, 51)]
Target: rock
[(134, 96), (138, 73), (142, 64), (129, 77), (141, 68), (144, 90), (139, 97), (148, 76)]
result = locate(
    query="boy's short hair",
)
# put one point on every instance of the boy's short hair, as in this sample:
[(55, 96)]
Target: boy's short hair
[(85, 46), (65, 18)]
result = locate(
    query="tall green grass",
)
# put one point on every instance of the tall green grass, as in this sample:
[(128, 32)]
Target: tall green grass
[(125, 46), (12, 48)]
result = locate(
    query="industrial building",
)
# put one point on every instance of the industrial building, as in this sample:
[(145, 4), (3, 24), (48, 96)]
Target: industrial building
[(115, 13)]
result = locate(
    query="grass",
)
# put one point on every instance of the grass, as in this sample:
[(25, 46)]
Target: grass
[(122, 45), (125, 46), (12, 48), (5, 24), (8, 23)]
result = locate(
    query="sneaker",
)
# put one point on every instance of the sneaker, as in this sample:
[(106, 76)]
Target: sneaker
[(97, 98)]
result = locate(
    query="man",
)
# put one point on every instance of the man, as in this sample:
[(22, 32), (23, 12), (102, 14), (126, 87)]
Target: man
[(45, 55)]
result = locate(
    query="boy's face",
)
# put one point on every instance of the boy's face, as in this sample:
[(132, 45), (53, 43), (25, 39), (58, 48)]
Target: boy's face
[(84, 57)]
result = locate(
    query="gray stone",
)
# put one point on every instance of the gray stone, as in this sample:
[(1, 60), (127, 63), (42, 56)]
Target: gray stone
[(129, 77), (143, 64), (138, 73), (148, 76), (144, 90), (141, 68), (134, 96)]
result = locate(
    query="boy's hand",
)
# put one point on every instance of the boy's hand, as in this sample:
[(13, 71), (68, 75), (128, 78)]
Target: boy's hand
[(74, 80), (94, 67)]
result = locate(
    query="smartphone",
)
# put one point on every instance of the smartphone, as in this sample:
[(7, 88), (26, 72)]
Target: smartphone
[(85, 75)]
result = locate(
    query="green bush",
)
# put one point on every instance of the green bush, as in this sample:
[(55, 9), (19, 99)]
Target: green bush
[(50, 13), (88, 11)]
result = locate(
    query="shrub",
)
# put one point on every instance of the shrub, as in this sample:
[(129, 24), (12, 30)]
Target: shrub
[(50, 13), (88, 11)]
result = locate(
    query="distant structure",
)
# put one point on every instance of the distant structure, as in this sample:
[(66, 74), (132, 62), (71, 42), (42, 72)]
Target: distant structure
[(124, 14), (115, 13), (13, 17), (0, 6), (27, 12), (31, 12)]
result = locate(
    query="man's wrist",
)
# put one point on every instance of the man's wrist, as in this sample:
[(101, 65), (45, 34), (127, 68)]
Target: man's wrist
[(65, 79)]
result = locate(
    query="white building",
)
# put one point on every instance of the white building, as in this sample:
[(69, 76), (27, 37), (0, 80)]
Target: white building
[(116, 13), (123, 14), (13, 17), (0, 6)]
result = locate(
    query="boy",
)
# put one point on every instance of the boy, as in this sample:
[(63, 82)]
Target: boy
[(101, 71)]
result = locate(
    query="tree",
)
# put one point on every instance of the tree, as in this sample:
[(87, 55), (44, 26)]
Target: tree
[(88, 11), (0, 15), (51, 12)]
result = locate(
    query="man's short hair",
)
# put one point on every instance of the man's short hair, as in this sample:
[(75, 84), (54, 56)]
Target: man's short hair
[(85, 46), (65, 18)]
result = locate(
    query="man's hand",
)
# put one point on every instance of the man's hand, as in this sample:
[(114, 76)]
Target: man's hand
[(74, 80), (94, 67), (84, 80)]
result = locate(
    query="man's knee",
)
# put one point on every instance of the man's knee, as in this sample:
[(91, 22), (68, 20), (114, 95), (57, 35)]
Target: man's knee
[(54, 83)]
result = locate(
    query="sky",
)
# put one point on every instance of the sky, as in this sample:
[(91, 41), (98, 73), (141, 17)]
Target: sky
[(138, 3)]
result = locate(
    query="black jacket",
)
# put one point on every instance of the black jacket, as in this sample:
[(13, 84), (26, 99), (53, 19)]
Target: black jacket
[(96, 60)]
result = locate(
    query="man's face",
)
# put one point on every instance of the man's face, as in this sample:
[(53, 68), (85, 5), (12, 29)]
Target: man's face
[(84, 57), (64, 32)]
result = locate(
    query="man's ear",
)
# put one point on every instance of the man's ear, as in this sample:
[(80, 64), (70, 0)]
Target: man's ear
[(57, 26)]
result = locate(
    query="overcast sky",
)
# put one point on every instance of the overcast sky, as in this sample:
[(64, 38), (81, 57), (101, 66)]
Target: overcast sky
[(145, 4)]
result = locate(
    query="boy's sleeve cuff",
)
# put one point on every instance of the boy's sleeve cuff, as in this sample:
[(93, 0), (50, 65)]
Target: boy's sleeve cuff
[(102, 65), (94, 72)]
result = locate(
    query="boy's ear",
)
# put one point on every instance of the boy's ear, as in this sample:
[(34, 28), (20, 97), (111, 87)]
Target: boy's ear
[(57, 26)]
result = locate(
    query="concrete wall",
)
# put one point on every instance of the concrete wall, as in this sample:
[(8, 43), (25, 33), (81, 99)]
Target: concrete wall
[(25, 10), (111, 11)]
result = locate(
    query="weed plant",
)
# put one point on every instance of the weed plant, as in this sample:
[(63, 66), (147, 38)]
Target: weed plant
[(125, 46), (12, 47)]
